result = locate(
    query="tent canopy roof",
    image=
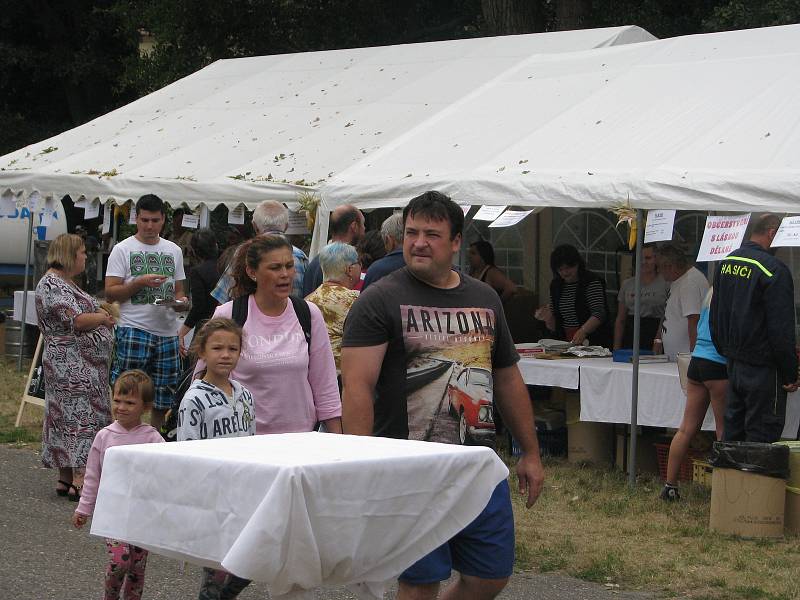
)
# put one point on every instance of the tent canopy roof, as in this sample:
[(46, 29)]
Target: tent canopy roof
[(698, 122), (245, 130)]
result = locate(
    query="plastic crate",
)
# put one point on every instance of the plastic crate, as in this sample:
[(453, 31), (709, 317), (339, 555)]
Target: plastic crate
[(686, 472), (701, 472), (552, 442)]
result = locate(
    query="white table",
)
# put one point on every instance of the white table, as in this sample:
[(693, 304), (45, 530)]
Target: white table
[(563, 373), (606, 396), (605, 391), (297, 511)]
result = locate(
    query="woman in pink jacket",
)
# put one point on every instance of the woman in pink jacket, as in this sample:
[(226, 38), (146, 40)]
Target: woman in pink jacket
[(293, 384)]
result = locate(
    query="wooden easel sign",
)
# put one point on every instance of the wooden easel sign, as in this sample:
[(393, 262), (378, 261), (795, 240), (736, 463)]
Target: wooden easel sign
[(34, 386)]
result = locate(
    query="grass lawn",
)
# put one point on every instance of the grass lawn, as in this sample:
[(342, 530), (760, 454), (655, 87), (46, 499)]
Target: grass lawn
[(588, 524)]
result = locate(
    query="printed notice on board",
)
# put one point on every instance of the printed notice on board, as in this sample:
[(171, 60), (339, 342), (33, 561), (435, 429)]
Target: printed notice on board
[(91, 210), (107, 218), (509, 218), (236, 216), (488, 213), (659, 225), (722, 236), (298, 224), (788, 233), (190, 221)]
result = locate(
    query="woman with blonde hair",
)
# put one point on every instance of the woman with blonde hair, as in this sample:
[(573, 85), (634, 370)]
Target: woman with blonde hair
[(78, 339)]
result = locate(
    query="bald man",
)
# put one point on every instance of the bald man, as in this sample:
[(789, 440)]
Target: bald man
[(347, 226)]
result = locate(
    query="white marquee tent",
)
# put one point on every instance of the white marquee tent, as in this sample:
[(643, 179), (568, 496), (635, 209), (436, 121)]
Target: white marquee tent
[(706, 122), (243, 130)]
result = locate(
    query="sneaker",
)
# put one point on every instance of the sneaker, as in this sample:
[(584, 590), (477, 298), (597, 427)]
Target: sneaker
[(669, 494)]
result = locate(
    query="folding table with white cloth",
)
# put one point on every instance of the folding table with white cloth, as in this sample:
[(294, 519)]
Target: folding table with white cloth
[(297, 511), (605, 391)]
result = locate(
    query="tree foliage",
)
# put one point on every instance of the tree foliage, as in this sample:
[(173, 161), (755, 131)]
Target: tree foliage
[(60, 65), (65, 62)]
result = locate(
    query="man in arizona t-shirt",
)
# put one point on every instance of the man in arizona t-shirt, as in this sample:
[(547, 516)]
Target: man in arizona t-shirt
[(142, 269), (426, 354)]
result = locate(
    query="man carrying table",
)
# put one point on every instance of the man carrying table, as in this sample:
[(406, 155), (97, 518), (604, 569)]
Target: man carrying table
[(425, 352)]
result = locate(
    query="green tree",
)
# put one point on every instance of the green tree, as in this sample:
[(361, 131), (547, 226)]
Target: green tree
[(59, 66)]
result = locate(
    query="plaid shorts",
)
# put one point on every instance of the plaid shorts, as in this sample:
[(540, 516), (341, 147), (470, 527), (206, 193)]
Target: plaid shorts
[(156, 355)]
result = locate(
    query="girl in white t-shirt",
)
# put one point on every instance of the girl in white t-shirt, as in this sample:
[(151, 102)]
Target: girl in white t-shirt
[(216, 406)]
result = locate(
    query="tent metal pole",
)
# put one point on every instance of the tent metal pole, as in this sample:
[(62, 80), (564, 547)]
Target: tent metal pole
[(637, 312), (23, 320)]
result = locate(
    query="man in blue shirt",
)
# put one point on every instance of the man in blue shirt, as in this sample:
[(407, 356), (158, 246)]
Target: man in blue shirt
[(392, 235)]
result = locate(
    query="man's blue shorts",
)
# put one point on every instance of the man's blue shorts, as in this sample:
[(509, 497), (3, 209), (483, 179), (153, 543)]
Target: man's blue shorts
[(484, 548)]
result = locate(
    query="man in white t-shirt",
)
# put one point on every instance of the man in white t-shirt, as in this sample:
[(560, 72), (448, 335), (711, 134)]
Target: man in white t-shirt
[(688, 288), (144, 269)]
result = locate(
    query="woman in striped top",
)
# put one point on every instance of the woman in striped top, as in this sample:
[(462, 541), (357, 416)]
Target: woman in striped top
[(578, 309)]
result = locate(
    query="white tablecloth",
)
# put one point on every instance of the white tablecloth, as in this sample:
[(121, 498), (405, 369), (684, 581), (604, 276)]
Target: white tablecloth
[(297, 511), (562, 373), (606, 396)]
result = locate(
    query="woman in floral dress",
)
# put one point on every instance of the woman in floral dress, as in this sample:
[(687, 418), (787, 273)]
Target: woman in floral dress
[(78, 340)]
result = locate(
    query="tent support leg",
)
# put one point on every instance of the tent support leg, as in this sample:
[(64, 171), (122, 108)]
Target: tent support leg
[(637, 312), (25, 292)]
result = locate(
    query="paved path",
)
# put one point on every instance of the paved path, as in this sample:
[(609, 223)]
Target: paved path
[(42, 557)]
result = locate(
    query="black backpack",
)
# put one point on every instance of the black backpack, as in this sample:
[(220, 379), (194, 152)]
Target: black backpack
[(169, 430)]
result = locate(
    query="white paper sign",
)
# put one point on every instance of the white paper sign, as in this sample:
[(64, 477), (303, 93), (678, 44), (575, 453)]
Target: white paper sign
[(190, 221), (47, 212), (132, 217), (107, 219), (82, 202), (236, 216), (297, 223), (205, 216), (465, 208), (33, 202), (722, 236), (659, 225), (788, 233), (92, 210), (488, 213), (8, 205), (509, 218)]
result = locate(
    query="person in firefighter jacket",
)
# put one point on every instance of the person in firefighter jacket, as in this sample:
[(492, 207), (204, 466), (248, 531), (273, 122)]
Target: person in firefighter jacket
[(752, 325)]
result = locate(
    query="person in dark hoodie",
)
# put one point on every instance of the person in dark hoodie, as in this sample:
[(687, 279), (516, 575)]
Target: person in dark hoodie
[(752, 325)]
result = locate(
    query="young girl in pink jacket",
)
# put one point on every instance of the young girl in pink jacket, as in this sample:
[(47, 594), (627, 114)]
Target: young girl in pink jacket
[(133, 395)]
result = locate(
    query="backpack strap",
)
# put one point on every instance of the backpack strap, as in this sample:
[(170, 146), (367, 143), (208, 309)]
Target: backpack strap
[(239, 311), (304, 316)]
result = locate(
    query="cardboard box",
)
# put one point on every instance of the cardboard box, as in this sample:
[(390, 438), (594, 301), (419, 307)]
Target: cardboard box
[(572, 403), (794, 463), (747, 504), (792, 513), (646, 460), (589, 442)]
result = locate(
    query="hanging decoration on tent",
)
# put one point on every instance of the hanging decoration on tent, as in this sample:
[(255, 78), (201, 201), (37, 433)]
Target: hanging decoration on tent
[(510, 217), (626, 214), (309, 202)]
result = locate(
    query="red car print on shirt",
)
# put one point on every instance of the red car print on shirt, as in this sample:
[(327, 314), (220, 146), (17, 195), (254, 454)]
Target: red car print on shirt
[(471, 403)]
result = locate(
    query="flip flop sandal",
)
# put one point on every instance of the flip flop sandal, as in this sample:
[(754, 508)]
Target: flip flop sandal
[(77, 495), (65, 491)]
